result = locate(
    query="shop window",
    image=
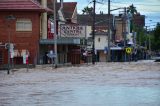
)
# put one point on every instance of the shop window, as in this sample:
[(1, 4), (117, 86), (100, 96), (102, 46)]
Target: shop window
[(23, 25), (99, 39)]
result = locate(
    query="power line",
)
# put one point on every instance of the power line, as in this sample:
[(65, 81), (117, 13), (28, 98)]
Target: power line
[(136, 4), (101, 7), (148, 11), (151, 22), (142, 10)]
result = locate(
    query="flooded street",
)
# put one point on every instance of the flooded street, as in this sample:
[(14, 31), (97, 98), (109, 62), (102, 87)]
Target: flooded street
[(103, 84)]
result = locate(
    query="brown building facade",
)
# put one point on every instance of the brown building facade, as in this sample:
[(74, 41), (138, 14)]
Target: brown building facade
[(23, 31)]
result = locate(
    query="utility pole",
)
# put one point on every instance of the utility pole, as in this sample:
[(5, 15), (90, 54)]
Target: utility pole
[(9, 18), (109, 35), (149, 41), (9, 47), (149, 44), (145, 43), (124, 20), (54, 2), (93, 32)]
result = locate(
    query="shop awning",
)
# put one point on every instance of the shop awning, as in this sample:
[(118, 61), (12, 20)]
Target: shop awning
[(61, 41)]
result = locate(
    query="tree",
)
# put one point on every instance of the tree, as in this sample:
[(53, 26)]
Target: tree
[(132, 10), (156, 35), (87, 10)]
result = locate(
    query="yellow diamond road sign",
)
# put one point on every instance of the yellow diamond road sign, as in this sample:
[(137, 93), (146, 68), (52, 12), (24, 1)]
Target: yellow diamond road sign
[(128, 50)]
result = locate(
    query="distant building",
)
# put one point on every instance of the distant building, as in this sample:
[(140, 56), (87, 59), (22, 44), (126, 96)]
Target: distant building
[(139, 20), (125, 36), (101, 33)]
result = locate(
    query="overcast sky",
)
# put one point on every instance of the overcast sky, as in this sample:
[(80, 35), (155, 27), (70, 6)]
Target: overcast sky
[(149, 8)]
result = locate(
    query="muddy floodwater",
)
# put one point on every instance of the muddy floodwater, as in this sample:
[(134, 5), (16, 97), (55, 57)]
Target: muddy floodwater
[(102, 84)]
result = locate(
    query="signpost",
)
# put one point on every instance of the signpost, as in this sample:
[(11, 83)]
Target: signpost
[(129, 52)]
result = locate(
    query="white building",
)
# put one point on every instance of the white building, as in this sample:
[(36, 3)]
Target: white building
[(101, 42)]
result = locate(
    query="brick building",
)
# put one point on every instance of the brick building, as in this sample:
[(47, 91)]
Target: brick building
[(23, 32)]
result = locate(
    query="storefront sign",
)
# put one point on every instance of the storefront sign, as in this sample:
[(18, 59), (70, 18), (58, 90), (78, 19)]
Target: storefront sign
[(72, 31)]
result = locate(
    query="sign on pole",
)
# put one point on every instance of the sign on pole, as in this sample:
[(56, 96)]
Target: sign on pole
[(128, 50), (51, 54)]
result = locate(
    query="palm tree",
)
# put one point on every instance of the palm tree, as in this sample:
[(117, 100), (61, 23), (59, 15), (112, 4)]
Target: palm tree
[(132, 10), (87, 10)]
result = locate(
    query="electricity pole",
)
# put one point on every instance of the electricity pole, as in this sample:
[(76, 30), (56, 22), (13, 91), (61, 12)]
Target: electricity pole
[(145, 43), (109, 35), (93, 32), (9, 18), (124, 20), (149, 44), (54, 2), (9, 47)]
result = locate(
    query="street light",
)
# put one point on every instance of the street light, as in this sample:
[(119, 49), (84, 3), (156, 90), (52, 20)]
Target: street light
[(9, 18)]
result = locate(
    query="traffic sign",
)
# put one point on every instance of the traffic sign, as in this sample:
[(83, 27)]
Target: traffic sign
[(128, 50), (51, 54)]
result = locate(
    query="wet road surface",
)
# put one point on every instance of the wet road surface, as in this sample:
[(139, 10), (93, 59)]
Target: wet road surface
[(105, 84)]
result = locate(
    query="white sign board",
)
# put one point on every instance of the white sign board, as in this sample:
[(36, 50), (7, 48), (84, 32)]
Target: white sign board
[(51, 54), (72, 31)]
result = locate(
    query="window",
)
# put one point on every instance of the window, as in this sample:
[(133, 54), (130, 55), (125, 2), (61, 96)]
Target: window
[(99, 39), (23, 25)]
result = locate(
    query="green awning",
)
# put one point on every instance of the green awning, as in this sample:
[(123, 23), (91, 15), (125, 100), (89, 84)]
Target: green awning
[(61, 41)]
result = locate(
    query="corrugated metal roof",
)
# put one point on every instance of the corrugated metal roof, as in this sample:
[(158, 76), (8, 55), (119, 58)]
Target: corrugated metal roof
[(20, 5)]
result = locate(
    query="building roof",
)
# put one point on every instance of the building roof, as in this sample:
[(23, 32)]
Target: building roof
[(21, 5), (101, 21), (68, 9)]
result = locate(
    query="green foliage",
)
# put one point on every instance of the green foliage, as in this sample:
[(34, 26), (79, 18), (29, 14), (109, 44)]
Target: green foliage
[(153, 47), (131, 9), (87, 10), (142, 36), (156, 38)]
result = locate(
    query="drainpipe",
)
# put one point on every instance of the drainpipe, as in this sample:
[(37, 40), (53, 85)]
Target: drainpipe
[(44, 20)]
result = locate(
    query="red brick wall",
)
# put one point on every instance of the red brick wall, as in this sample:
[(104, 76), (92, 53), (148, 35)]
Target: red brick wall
[(22, 40)]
